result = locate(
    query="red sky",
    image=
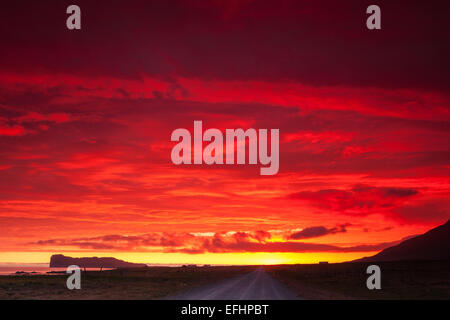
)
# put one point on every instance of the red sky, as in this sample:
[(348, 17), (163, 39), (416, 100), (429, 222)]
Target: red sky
[(86, 118)]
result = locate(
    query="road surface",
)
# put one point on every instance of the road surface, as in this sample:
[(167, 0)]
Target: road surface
[(256, 285)]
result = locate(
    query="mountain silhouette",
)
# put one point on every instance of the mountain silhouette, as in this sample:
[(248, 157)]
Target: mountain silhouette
[(61, 261), (432, 245)]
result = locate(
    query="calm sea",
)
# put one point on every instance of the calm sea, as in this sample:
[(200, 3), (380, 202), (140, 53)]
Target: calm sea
[(37, 268), (42, 268)]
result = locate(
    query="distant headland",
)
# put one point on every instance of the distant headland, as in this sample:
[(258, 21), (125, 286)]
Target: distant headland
[(62, 261)]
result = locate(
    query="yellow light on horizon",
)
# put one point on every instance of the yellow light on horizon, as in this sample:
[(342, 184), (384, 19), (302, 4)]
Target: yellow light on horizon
[(257, 258)]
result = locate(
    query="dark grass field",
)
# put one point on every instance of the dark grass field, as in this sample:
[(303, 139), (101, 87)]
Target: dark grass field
[(142, 283), (399, 280)]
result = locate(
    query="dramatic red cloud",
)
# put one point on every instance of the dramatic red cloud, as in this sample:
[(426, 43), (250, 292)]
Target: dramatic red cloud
[(197, 244), (312, 232), (86, 118), (361, 198), (15, 130)]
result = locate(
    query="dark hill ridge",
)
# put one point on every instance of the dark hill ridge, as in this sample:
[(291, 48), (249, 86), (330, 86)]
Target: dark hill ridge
[(61, 261), (432, 245)]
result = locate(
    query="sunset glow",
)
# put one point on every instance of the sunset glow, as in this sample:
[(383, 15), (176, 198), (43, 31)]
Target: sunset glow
[(86, 120)]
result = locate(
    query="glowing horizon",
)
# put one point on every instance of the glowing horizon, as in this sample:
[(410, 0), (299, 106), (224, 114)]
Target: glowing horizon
[(86, 118), (260, 258)]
